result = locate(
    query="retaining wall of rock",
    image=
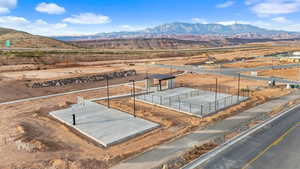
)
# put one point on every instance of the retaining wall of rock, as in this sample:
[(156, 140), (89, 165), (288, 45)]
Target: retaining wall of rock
[(83, 79)]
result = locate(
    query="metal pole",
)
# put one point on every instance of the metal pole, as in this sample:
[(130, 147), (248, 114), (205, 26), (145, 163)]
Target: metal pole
[(133, 91), (216, 96), (107, 89), (238, 98), (133, 83)]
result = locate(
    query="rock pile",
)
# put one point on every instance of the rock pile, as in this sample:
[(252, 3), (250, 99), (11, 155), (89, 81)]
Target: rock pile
[(83, 79)]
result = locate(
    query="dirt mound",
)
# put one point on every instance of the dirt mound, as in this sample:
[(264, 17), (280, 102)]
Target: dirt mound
[(27, 139)]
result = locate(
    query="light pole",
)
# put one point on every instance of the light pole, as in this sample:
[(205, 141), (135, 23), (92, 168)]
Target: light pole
[(216, 96), (239, 79), (133, 85), (107, 91)]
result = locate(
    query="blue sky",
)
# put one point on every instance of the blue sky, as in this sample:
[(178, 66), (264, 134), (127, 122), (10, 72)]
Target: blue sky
[(70, 17)]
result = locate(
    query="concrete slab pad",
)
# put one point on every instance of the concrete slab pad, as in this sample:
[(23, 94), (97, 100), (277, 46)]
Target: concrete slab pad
[(105, 126)]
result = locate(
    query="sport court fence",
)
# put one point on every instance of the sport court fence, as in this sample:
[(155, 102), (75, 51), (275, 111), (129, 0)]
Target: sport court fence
[(219, 89), (181, 103)]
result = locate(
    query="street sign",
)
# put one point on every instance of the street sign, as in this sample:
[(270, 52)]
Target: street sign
[(7, 43)]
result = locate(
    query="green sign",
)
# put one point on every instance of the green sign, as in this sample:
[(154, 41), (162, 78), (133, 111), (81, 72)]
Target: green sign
[(7, 43)]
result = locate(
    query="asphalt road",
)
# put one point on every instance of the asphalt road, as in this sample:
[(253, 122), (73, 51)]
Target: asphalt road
[(274, 146)]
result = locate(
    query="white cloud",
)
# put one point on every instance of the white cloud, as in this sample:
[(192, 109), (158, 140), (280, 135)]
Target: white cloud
[(225, 4), (39, 27), (280, 19), (232, 22), (131, 28), (199, 20), (12, 20), (266, 8), (87, 18), (6, 5), (50, 8)]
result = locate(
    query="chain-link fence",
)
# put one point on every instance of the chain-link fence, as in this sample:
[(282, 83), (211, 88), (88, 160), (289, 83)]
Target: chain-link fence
[(191, 102)]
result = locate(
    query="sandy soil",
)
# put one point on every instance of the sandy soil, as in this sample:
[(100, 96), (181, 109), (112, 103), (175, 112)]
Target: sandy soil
[(37, 141), (30, 138), (57, 73), (290, 73), (253, 63), (207, 80)]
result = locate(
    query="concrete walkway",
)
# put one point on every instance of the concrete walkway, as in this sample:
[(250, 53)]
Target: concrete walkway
[(167, 151)]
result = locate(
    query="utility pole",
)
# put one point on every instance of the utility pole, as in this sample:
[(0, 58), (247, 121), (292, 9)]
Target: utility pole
[(107, 91), (216, 96), (239, 79), (133, 85)]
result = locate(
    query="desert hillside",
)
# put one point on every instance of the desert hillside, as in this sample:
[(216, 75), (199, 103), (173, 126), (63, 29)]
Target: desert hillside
[(25, 40)]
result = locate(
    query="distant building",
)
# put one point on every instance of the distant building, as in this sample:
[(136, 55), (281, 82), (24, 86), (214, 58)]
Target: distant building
[(294, 59), (296, 53)]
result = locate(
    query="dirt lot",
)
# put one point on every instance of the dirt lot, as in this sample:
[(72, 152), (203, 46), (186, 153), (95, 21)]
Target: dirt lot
[(13, 84), (291, 73), (254, 63), (207, 80), (30, 138), (35, 140)]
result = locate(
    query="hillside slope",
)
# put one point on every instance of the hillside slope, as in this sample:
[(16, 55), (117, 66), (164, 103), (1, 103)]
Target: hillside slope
[(144, 43), (165, 43), (25, 40)]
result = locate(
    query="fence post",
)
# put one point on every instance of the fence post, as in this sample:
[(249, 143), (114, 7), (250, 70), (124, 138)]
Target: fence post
[(201, 109), (190, 108), (169, 101), (209, 107), (179, 104)]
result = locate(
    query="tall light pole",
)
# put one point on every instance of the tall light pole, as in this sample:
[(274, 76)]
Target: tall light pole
[(239, 79), (133, 85), (107, 91), (216, 96)]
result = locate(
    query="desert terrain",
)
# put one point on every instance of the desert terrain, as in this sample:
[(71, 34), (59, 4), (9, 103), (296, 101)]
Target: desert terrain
[(31, 138)]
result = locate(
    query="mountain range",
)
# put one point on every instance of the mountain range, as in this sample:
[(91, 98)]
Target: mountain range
[(192, 31)]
